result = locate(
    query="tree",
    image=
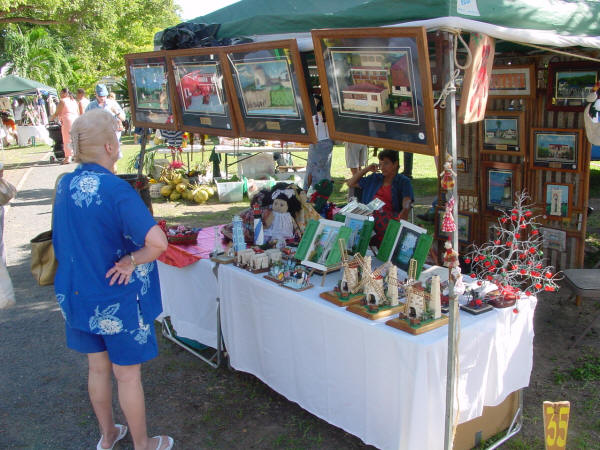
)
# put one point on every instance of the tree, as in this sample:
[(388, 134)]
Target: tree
[(514, 259), (37, 55), (94, 33)]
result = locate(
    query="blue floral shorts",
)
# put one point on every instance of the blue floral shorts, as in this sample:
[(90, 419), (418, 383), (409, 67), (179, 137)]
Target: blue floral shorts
[(125, 348)]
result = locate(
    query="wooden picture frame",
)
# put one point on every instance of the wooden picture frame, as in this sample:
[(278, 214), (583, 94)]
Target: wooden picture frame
[(376, 87), (271, 98), (556, 149), (150, 91), (202, 98), (512, 82), (558, 200), (569, 83), (500, 183), (503, 132)]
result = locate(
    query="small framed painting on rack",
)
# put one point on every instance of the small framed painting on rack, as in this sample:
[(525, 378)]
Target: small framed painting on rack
[(501, 182), (513, 82), (503, 132), (569, 83), (150, 91), (559, 199), (376, 87), (556, 149)]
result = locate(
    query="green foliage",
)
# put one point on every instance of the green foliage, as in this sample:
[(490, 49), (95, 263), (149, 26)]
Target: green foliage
[(86, 38), (121, 90)]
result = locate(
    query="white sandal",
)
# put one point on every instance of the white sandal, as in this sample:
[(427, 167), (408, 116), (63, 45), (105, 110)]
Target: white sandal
[(121, 435), (160, 442)]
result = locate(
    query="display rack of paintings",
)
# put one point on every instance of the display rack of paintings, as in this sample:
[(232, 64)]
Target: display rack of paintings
[(569, 83), (202, 100), (500, 182), (556, 149), (513, 81), (272, 101), (376, 86), (149, 91), (503, 132)]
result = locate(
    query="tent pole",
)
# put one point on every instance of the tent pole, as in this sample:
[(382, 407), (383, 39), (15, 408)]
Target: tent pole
[(449, 146)]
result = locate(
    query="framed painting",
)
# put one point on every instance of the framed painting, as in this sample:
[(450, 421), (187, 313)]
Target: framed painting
[(356, 222), (202, 101), (462, 165), (553, 239), (513, 82), (503, 132), (500, 183), (150, 91), (464, 227), (406, 244), (569, 83), (556, 149), (271, 99), (490, 228), (558, 199), (321, 242), (376, 87)]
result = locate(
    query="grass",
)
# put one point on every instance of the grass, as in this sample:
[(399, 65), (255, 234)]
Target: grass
[(424, 185)]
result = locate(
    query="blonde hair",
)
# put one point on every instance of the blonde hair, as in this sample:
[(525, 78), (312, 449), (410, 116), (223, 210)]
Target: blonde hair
[(90, 132)]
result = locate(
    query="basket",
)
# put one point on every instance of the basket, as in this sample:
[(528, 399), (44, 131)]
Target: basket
[(188, 238), (155, 190)]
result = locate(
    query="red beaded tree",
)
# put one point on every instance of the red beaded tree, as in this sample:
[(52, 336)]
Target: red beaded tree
[(514, 260)]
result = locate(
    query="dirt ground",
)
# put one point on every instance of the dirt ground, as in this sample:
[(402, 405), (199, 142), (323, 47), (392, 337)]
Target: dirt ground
[(43, 396)]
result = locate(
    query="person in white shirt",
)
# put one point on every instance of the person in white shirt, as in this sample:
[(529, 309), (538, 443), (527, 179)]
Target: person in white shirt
[(18, 110)]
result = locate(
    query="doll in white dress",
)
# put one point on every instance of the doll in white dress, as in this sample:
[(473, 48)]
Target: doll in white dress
[(279, 222)]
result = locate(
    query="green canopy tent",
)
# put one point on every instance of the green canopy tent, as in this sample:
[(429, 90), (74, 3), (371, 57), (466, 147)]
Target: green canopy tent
[(558, 23), (13, 85)]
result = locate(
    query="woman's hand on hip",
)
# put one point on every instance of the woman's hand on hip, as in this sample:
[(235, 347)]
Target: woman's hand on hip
[(121, 272)]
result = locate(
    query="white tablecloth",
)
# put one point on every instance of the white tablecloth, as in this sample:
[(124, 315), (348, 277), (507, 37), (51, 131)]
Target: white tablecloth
[(189, 296), (38, 131), (383, 385)]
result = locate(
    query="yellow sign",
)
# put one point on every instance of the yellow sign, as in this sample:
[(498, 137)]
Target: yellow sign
[(556, 423), (272, 125), (205, 121)]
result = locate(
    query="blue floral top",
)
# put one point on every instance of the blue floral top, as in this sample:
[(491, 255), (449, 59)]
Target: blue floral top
[(97, 219)]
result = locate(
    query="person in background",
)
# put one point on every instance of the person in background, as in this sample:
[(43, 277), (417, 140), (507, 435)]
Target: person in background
[(7, 293), (318, 164), (66, 111), (19, 110), (103, 102), (386, 184), (52, 103), (82, 100), (9, 126), (356, 158), (109, 292), (40, 106)]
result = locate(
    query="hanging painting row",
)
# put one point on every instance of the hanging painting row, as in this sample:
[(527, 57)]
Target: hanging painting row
[(375, 85)]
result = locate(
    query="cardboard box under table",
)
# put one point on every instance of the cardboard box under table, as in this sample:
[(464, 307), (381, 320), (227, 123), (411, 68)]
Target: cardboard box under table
[(383, 385)]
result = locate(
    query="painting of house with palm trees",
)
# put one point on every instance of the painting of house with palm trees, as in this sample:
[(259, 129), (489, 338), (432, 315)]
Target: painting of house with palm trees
[(501, 131)]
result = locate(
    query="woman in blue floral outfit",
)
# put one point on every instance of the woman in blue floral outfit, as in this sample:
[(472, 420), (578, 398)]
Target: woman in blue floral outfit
[(106, 284)]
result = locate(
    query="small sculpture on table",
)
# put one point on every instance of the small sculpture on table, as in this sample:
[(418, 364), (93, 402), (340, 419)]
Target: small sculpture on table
[(377, 302), (298, 279), (342, 293), (422, 310)]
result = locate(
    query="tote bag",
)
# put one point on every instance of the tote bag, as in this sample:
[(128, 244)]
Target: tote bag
[(43, 261)]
